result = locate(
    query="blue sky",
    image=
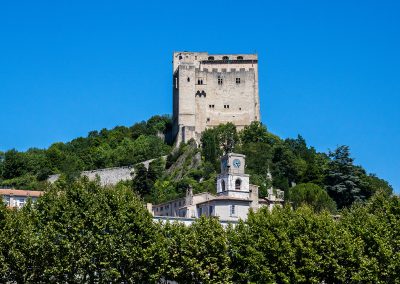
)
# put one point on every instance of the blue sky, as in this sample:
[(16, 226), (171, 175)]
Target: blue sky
[(329, 70)]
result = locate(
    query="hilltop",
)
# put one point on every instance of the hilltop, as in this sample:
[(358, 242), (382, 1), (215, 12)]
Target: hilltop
[(295, 166)]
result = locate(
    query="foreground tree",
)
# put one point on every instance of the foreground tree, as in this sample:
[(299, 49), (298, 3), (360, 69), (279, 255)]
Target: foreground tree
[(199, 253), (83, 233), (376, 226)]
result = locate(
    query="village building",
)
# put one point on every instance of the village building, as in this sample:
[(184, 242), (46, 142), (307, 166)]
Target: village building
[(235, 196), (15, 198)]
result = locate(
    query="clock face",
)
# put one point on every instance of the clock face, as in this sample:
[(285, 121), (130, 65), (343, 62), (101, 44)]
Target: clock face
[(236, 163)]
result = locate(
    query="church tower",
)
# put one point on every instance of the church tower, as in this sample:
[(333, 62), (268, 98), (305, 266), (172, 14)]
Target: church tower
[(232, 181)]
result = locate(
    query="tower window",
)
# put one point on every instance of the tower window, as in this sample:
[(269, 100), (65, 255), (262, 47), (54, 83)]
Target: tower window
[(238, 183), (208, 119), (199, 81), (240, 58), (223, 185), (211, 58), (188, 79), (220, 81), (180, 57), (226, 106), (237, 80), (225, 58)]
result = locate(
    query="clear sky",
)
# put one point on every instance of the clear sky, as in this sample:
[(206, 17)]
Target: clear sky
[(328, 70)]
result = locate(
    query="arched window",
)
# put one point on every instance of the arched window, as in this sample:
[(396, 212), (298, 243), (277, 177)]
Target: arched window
[(223, 185), (225, 58), (180, 57), (238, 183), (211, 58), (240, 58)]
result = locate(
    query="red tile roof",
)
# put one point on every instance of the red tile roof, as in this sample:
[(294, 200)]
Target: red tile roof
[(18, 192)]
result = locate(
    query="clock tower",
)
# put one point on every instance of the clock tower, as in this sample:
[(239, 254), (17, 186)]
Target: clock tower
[(232, 181)]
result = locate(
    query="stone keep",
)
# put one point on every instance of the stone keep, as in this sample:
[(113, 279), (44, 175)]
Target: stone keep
[(212, 89)]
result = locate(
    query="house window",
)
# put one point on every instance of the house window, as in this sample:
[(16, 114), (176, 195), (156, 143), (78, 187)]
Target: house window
[(7, 200), (223, 185), (200, 211), (211, 210), (233, 210), (237, 80), (238, 183), (220, 81)]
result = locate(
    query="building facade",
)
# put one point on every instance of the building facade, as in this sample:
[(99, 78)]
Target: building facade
[(235, 196), (15, 198), (212, 89)]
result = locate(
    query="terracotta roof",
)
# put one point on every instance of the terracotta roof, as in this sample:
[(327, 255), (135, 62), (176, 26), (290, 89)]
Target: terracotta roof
[(18, 192)]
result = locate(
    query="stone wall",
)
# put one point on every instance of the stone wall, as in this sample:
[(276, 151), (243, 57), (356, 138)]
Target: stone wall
[(109, 176)]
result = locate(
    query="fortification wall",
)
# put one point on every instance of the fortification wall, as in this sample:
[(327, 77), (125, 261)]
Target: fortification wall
[(109, 176)]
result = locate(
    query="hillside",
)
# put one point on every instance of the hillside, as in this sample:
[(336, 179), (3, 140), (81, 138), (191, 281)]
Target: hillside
[(295, 167)]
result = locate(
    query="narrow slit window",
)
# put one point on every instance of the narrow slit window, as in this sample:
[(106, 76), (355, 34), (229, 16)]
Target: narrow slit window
[(233, 210)]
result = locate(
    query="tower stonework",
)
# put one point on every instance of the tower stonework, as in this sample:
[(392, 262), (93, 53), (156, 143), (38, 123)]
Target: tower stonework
[(212, 89)]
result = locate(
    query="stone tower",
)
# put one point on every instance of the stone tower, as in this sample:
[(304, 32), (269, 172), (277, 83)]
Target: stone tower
[(212, 89)]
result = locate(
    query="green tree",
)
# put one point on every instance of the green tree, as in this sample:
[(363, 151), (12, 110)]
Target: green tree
[(14, 164), (376, 226), (343, 180), (312, 195), (83, 233), (199, 253)]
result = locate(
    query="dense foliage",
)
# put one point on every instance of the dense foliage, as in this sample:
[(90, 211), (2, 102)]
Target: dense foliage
[(80, 232), (290, 162), (121, 146)]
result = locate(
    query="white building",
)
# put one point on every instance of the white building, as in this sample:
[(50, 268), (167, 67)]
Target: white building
[(14, 198), (235, 196)]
